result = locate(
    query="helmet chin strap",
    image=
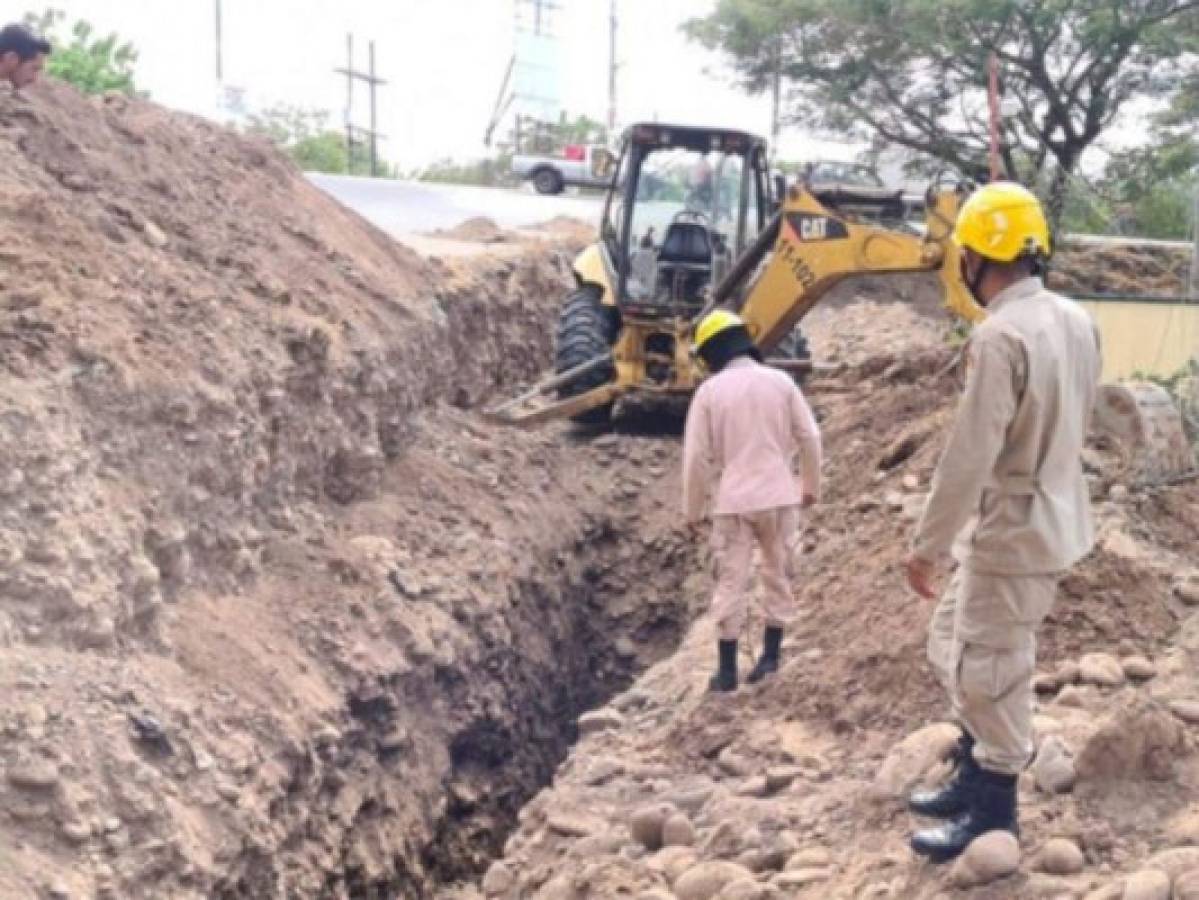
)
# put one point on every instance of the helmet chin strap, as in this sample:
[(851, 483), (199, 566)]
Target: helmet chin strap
[(973, 284)]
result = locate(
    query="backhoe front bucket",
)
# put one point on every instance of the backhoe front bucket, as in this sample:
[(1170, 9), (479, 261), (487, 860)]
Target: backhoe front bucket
[(532, 407)]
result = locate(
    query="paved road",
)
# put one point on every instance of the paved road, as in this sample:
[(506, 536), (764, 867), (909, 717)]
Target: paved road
[(412, 207)]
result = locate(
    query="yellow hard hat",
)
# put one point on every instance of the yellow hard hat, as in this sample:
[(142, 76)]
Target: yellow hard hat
[(1003, 221), (713, 324)]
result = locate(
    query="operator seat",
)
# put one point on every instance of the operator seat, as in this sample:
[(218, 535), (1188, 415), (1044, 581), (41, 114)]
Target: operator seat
[(685, 260), (686, 243)]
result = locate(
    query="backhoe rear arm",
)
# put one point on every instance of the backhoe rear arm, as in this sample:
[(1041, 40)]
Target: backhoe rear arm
[(813, 250)]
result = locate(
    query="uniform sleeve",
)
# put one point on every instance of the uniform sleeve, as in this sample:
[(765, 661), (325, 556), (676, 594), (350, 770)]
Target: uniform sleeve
[(806, 435), (697, 458), (987, 407)]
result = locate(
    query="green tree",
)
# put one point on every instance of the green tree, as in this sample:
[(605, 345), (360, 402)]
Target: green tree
[(1153, 188), (306, 136), (914, 72), (286, 124), (95, 65), (324, 152)]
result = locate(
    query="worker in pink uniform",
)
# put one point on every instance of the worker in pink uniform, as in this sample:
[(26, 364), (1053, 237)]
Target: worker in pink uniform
[(746, 426)]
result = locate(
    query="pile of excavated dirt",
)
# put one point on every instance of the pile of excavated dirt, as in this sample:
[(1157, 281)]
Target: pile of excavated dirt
[(482, 230), (793, 788), (567, 228), (479, 229), (277, 616), (1128, 270)]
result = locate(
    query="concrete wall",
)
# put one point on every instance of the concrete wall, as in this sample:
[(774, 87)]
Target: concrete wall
[(1153, 338)]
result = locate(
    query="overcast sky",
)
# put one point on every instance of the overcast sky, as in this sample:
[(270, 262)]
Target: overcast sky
[(443, 60)]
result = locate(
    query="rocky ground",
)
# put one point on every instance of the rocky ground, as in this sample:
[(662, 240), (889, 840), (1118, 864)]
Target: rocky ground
[(281, 616), (793, 788)]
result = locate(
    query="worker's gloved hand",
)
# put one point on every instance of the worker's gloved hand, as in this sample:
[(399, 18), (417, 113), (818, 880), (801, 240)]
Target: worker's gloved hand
[(920, 574)]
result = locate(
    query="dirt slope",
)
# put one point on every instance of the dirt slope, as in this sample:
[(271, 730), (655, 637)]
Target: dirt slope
[(277, 618)]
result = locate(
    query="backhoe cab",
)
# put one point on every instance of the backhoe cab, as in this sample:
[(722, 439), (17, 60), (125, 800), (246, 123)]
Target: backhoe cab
[(693, 221)]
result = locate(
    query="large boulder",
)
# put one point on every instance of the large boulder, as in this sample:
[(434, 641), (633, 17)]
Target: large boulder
[(993, 856), (706, 880), (911, 759)]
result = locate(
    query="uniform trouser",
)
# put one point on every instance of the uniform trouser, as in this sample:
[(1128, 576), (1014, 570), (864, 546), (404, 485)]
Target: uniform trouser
[(776, 533), (982, 646)]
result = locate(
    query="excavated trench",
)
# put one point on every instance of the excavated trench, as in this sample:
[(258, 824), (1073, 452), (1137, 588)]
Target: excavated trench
[(583, 639), (586, 619), (432, 764)]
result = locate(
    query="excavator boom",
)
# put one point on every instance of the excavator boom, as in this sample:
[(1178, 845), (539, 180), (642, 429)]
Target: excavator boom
[(815, 250)]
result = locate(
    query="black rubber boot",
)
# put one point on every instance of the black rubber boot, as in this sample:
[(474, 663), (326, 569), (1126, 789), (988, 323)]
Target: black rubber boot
[(992, 808), (725, 678), (953, 798), (768, 663)]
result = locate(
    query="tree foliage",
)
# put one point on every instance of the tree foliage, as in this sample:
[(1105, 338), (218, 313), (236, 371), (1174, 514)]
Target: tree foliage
[(914, 72), (1147, 191), (491, 172), (306, 136), (94, 64)]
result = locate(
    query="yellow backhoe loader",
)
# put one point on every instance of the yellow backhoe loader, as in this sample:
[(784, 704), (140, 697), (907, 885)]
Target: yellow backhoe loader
[(693, 221)]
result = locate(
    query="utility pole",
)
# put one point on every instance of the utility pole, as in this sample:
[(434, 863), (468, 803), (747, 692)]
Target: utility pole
[(219, 74), (612, 69), (373, 81), (349, 104), (374, 131)]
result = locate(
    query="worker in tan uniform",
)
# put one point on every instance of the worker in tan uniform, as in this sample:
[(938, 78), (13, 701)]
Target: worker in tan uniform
[(746, 426), (1010, 502)]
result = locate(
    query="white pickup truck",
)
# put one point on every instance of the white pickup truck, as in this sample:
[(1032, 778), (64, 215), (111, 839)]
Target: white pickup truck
[(584, 166)]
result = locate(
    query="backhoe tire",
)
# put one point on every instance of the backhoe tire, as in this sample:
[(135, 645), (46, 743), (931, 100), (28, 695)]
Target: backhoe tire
[(547, 181), (585, 330)]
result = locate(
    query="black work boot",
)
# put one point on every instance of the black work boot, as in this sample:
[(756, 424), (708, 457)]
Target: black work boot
[(992, 808), (725, 678), (953, 798), (768, 664)]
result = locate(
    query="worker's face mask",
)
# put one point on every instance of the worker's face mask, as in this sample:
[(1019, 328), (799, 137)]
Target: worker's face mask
[(974, 269)]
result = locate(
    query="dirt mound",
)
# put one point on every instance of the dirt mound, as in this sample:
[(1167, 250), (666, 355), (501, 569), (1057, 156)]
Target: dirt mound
[(270, 602), (478, 229), (567, 228), (1125, 270)]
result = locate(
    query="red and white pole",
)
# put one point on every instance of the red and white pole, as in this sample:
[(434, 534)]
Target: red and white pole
[(993, 103)]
